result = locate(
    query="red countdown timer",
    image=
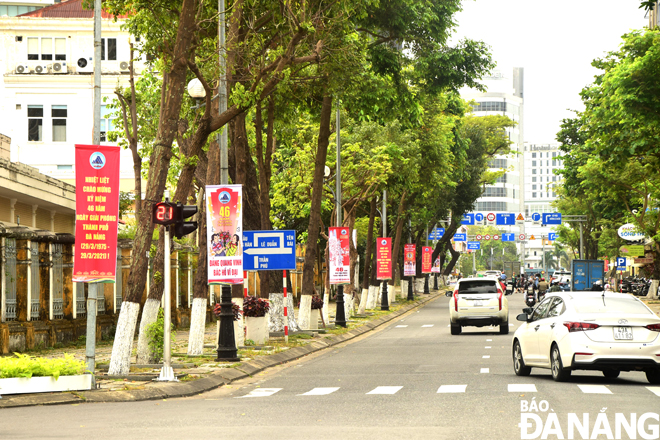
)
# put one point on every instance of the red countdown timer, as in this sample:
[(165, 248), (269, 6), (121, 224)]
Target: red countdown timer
[(164, 213)]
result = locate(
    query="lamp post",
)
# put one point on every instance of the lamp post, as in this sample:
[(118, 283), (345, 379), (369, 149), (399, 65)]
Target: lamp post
[(411, 280), (340, 314), (384, 300)]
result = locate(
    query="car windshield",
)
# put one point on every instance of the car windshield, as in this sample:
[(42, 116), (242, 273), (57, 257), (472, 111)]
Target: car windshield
[(478, 286), (607, 304)]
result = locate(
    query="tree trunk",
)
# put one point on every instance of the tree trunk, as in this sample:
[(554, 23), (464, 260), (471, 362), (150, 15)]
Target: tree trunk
[(367, 257), (397, 239), (315, 210), (171, 97)]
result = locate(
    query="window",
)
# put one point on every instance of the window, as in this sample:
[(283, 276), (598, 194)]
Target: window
[(554, 154), (35, 123), (533, 155), (533, 163), (533, 195), (13, 11), (489, 106), (554, 178), (58, 112), (491, 206), (554, 162), (46, 48), (501, 179), (65, 168), (533, 187), (109, 47), (106, 122), (540, 170), (534, 171), (494, 192), (498, 163)]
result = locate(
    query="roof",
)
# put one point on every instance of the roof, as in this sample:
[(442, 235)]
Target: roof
[(67, 9)]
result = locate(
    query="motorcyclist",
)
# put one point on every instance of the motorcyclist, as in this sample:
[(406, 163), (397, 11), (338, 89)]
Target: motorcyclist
[(543, 287), (555, 287)]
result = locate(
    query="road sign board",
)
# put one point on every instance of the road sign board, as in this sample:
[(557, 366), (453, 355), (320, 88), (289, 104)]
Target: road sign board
[(552, 236), (506, 219), (468, 219), (536, 217), (436, 234), (269, 250), (532, 238), (508, 236), (460, 237), (473, 245), (496, 237), (487, 237), (490, 217), (478, 237), (621, 263), (522, 237), (552, 218), (478, 218), (520, 218)]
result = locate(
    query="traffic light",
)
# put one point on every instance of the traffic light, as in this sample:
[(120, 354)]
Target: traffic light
[(182, 227), (164, 213)]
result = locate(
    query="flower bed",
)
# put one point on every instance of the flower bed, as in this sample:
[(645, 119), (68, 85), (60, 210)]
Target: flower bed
[(26, 374)]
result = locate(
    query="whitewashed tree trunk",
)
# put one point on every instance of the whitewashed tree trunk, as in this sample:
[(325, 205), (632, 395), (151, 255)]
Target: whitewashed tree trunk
[(324, 310), (197, 326), (373, 294), (305, 311), (120, 361), (276, 322), (653, 290), (390, 294), (363, 301), (149, 316), (348, 305)]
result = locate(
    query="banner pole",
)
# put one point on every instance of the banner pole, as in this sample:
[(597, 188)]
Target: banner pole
[(286, 303)]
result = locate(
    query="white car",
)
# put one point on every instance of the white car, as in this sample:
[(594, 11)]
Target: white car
[(478, 302), (606, 331)]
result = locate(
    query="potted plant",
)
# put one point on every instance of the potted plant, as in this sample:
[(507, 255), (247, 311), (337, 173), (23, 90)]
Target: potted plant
[(22, 373), (255, 311), (239, 335), (317, 305)]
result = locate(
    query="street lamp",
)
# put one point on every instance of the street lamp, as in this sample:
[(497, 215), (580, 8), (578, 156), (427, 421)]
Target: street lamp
[(197, 92)]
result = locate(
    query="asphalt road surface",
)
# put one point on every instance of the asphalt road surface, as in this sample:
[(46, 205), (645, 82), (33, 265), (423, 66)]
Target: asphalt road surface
[(410, 380)]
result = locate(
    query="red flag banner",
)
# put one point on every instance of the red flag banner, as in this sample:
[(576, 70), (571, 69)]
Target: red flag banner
[(97, 213), (409, 260), (340, 259), (224, 229), (384, 259), (427, 253)]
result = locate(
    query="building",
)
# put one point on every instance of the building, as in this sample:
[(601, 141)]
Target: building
[(46, 86), (12, 8)]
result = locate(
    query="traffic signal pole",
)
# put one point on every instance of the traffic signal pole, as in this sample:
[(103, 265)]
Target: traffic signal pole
[(167, 373)]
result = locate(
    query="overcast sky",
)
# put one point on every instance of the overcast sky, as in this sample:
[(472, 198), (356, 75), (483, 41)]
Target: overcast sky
[(555, 42)]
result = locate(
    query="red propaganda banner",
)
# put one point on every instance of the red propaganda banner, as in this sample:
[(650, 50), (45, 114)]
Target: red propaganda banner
[(409, 261), (436, 266), (224, 229), (427, 253), (340, 259), (97, 212), (384, 259)]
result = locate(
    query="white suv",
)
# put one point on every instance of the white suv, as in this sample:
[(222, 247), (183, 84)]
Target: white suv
[(478, 302)]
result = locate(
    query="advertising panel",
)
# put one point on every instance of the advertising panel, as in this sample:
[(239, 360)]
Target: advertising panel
[(409, 260), (224, 229), (384, 258), (427, 253), (340, 260)]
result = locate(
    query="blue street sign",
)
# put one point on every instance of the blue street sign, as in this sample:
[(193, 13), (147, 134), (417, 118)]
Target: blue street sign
[(505, 219), (536, 217), (468, 219), (473, 245), (269, 250), (621, 263), (553, 218), (478, 217), (436, 234), (508, 236), (552, 236), (460, 237)]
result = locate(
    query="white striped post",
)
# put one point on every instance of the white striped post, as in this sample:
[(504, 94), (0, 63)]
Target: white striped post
[(245, 284), (286, 303)]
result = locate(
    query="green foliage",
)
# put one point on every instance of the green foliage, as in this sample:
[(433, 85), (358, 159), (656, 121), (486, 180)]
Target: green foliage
[(155, 333), (23, 365)]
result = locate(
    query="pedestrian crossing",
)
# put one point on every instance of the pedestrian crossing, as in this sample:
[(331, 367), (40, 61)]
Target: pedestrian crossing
[(446, 389)]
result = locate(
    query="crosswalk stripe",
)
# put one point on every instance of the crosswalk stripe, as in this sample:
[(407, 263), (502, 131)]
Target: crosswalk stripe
[(261, 392), (487, 346), (522, 388), (452, 388), (485, 357), (485, 370), (427, 325), (401, 326), (489, 340), (384, 390), (320, 391), (654, 390), (595, 389)]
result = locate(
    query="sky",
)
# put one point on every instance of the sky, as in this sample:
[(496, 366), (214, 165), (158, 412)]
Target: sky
[(555, 42)]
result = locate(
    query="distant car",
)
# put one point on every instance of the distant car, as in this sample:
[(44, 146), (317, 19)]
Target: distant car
[(478, 302), (493, 273), (562, 276), (606, 331)]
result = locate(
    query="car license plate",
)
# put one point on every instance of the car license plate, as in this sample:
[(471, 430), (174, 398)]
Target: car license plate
[(478, 303), (623, 333)]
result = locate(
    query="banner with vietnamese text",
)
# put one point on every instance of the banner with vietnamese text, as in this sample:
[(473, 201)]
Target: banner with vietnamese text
[(427, 253), (436, 266), (409, 261), (340, 259), (224, 229), (384, 259)]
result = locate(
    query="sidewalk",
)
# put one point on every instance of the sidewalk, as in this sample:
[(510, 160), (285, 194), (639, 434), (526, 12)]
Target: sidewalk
[(200, 374)]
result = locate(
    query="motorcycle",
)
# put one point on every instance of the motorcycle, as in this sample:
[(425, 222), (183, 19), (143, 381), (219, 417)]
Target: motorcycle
[(530, 297)]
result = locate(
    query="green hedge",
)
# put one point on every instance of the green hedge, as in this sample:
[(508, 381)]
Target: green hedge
[(23, 365)]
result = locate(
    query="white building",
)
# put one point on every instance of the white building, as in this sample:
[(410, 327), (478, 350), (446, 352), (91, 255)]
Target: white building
[(46, 86)]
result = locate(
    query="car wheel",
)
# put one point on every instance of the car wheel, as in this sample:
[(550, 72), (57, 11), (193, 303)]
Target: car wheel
[(653, 376), (611, 374), (518, 362), (504, 328), (559, 373), (455, 329)]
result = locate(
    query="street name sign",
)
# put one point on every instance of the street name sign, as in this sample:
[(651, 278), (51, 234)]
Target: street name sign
[(468, 219), (552, 218), (460, 237), (473, 245), (269, 250)]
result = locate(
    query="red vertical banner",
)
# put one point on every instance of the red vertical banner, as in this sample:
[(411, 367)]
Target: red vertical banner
[(224, 231), (427, 253), (340, 259), (409, 260), (97, 213), (436, 266), (384, 259)]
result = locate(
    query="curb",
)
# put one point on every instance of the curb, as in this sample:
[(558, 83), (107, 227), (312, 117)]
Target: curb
[(222, 377)]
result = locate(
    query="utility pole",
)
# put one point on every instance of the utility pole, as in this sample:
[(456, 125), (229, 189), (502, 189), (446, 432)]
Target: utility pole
[(384, 300), (340, 314)]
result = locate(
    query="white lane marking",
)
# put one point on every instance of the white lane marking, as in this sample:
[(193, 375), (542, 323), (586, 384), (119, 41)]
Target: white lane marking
[(595, 389), (485, 357), (320, 391), (489, 340), (487, 346), (401, 326), (261, 392), (522, 388), (427, 325), (384, 390), (452, 388), (654, 390), (485, 370)]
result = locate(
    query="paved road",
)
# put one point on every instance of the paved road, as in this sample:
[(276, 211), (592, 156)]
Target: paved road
[(410, 380)]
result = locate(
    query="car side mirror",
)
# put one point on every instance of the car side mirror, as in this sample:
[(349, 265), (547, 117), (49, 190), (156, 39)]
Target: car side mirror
[(524, 317), (448, 293), (528, 310)]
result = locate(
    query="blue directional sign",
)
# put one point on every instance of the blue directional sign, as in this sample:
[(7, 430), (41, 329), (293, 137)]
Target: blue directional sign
[(473, 245), (436, 234), (553, 218), (508, 236), (505, 219), (269, 250), (468, 219), (460, 237), (478, 217), (552, 236), (536, 217), (621, 263)]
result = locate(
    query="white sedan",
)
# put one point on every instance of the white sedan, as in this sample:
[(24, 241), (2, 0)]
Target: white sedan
[(605, 331)]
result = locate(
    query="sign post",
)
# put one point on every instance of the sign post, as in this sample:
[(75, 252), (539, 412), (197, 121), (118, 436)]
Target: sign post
[(384, 266), (410, 266)]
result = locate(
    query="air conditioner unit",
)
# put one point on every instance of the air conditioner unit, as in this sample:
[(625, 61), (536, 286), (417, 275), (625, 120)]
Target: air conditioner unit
[(40, 68), (23, 68), (124, 66), (58, 68), (85, 64)]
